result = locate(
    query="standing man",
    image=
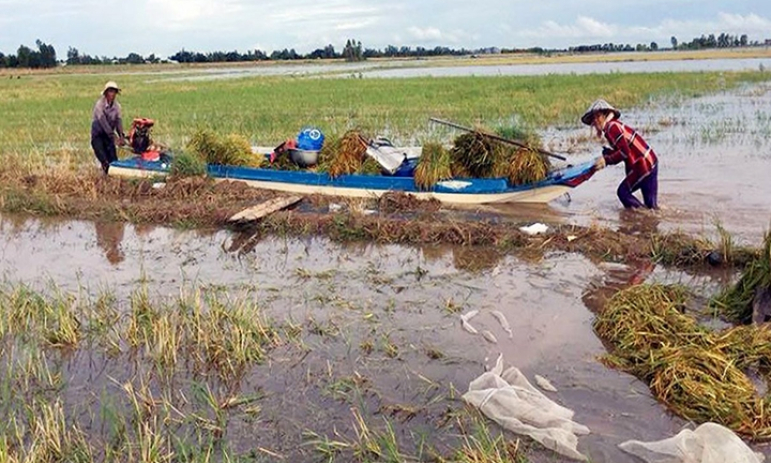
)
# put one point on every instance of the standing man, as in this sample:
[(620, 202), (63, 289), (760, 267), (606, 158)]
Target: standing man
[(106, 125), (640, 161)]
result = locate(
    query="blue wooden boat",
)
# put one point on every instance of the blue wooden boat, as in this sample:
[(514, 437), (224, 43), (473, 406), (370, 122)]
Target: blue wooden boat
[(455, 191)]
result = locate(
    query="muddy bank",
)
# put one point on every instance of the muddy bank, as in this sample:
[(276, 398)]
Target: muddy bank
[(189, 202), (395, 219)]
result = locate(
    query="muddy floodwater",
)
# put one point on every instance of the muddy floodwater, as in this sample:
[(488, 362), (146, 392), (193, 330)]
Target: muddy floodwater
[(715, 166), (407, 297)]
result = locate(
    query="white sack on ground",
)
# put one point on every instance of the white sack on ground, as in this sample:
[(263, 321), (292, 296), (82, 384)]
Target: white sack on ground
[(508, 398), (709, 443)]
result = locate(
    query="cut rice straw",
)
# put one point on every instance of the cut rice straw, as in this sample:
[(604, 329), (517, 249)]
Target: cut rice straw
[(695, 372), (478, 156), (231, 150), (344, 156), (434, 166)]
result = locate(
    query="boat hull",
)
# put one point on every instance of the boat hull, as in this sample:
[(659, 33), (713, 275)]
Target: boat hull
[(459, 191)]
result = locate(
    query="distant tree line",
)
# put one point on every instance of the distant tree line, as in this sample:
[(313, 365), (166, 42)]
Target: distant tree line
[(613, 47), (711, 41), (45, 55), (704, 42)]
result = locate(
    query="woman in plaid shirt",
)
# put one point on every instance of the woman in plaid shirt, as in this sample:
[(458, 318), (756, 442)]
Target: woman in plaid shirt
[(625, 145)]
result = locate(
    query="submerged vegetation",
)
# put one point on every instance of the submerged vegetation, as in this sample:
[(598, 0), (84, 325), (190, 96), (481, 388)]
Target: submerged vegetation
[(737, 303), (181, 379), (171, 402)]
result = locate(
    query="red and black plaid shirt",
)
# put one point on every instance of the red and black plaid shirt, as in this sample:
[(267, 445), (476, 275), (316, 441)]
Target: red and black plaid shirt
[(639, 158)]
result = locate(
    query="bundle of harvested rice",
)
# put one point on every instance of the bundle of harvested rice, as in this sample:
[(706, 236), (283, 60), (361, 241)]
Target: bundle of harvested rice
[(680, 249), (343, 156), (475, 155), (435, 165), (231, 150), (528, 166), (696, 373), (204, 142), (736, 303), (187, 164), (702, 385), (748, 345)]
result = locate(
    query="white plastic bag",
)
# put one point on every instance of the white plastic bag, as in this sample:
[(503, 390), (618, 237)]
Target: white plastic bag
[(508, 398), (709, 443), (389, 157)]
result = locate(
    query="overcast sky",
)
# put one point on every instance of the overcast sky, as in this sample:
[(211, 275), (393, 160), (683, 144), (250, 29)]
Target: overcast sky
[(112, 27)]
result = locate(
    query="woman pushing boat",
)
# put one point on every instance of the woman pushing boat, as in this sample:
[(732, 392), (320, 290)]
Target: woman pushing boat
[(625, 145)]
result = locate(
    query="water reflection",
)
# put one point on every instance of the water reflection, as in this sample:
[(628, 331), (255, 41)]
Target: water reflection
[(476, 259), (109, 236), (617, 278), (638, 222)]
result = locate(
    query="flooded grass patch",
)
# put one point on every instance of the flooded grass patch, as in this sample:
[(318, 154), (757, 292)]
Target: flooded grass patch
[(748, 300), (152, 380), (45, 114), (182, 362), (354, 325)]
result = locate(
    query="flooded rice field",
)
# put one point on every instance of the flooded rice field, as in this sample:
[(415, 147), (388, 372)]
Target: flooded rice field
[(715, 166), (574, 68), (342, 342), (376, 329), (406, 69)]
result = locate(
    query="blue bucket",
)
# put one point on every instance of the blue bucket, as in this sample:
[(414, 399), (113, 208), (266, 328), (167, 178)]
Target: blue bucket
[(310, 139)]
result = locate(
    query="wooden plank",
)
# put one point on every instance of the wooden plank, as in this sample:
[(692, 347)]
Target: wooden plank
[(265, 209)]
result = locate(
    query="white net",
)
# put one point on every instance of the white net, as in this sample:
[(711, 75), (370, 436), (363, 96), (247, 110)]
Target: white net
[(709, 443), (508, 398)]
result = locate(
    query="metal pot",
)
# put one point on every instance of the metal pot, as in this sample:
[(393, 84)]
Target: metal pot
[(304, 158)]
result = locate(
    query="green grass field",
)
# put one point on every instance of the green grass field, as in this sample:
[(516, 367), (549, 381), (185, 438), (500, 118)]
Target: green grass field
[(46, 117)]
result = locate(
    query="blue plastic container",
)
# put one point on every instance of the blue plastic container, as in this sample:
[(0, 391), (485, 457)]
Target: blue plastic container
[(310, 139)]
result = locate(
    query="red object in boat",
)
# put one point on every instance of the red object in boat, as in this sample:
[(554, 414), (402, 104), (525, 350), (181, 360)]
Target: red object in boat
[(151, 155)]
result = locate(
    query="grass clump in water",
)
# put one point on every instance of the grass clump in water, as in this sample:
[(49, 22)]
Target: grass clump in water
[(696, 373), (231, 150), (736, 303)]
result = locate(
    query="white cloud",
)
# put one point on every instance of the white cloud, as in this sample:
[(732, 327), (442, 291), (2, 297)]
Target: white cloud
[(752, 24), (428, 33), (205, 25), (190, 14), (357, 25), (434, 35), (583, 28), (588, 29)]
